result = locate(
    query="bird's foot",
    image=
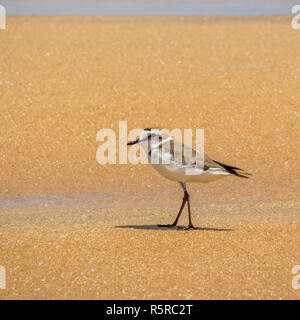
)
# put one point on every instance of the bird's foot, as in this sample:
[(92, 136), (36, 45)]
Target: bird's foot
[(189, 227), (167, 225)]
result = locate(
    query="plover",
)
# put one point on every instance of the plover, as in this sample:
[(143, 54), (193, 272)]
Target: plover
[(178, 162)]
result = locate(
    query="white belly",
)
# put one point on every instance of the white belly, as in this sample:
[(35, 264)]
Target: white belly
[(175, 173)]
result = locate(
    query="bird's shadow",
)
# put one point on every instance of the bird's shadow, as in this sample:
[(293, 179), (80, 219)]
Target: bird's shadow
[(156, 227)]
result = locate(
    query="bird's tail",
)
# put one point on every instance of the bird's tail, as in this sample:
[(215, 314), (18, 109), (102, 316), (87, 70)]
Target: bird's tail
[(234, 170)]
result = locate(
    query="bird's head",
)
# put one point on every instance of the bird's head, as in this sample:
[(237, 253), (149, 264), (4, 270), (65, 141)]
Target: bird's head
[(148, 135)]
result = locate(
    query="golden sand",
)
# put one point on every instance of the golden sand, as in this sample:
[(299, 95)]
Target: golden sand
[(64, 78)]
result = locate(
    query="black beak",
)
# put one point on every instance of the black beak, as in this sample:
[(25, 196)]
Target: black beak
[(133, 142)]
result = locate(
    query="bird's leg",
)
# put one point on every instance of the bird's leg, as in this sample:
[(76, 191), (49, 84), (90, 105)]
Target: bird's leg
[(181, 208), (190, 226), (184, 199), (187, 197)]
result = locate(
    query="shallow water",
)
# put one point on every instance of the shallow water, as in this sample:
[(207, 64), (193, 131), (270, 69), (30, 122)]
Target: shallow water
[(218, 7)]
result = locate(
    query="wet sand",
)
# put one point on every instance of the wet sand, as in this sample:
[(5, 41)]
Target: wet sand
[(241, 251), (71, 228)]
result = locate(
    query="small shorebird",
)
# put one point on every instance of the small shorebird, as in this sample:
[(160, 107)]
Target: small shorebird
[(178, 162)]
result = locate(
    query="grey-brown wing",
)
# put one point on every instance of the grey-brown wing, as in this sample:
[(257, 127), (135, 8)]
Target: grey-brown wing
[(186, 156)]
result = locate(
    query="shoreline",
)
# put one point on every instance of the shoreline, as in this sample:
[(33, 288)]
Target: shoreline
[(125, 202)]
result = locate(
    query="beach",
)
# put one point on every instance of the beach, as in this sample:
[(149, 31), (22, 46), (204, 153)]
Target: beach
[(71, 228)]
